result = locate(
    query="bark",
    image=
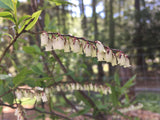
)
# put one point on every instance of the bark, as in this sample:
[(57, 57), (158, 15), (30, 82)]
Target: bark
[(138, 40), (58, 16), (111, 33), (106, 14), (84, 19), (64, 19), (94, 16)]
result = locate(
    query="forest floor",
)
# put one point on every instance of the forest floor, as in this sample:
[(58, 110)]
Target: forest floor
[(141, 114)]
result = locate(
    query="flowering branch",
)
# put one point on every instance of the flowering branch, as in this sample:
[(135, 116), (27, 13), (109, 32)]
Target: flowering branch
[(44, 94), (80, 45)]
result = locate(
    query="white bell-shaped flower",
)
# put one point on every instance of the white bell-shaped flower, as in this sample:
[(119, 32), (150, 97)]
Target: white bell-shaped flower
[(114, 60), (44, 39), (76, 46), (100, 56), (100, 47), (55, 42), (44, 97), (49, 45), (83, 43), (81, 49), (91, 87), (58, 88), (81, 87), (60, 43), (20, 113), (108, 55), (95, 88), (38, 97), (127, 63), (18, 94), (121, 59), (77, 86), (88, 50), (73, 86), (39, 88), (94, 51), (67, 46), (71, 42)]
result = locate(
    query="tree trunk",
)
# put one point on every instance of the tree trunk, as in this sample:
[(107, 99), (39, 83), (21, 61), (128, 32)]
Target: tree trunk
[(138, 40), (94, 16), (64, 19), (106, 14), (84, 19), (111, 34)]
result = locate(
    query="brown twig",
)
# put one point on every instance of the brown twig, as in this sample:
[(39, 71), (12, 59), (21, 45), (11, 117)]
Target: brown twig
[(51, 113), (36, 109)]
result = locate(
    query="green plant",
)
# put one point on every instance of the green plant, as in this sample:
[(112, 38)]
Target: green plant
[(43, 71)]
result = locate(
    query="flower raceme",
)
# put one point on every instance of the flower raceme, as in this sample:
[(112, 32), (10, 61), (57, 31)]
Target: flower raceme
[(80, 46), (43, 94), (20, 113)]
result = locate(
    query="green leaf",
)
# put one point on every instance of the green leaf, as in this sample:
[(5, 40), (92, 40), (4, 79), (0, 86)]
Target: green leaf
[(116, 78), (23, 18), (7, 97), (20, 78), (7, 15), (29, 49), (7, 4), (129, 83), (41, 109), (59, 78), (37, 49), (80, 97), (36, 69), (60, 2), (8, 35), (114, 96), (81, 112), (1, 108), (59, 110), (35, 17), (47, 19)]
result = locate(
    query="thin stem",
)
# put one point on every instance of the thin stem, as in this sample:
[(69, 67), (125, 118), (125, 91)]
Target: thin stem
[(36, 109)]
